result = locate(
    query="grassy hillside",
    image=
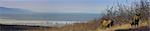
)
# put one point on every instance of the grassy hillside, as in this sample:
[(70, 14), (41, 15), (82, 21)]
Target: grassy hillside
[(120, 18), (92, 27)]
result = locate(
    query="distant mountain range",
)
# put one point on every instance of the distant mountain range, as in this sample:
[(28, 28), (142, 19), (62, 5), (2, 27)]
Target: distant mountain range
[(4, 10), (22, 14), (15, 13)]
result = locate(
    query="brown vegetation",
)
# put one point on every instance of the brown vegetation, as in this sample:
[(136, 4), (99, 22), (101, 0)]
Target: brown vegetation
[(122, 17)]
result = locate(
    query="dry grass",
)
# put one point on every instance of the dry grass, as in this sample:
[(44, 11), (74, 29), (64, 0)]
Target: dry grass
[(88, 27)]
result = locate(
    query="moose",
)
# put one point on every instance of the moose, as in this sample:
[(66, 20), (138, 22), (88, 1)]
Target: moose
[(136, 19)]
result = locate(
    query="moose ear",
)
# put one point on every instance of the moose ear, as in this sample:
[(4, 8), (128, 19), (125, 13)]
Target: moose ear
[(138, 14)]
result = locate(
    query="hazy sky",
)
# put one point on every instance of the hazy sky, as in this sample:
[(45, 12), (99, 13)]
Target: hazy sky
[(61, 6)]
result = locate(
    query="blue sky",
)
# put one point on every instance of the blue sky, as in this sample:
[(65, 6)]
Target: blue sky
[(61, 6)]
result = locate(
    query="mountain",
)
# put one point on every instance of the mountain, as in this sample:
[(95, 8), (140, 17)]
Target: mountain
[(21, 14), (14, 13), (4, 10)]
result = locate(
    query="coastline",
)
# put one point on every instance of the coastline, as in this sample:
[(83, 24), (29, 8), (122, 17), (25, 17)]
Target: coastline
[(38, 22)]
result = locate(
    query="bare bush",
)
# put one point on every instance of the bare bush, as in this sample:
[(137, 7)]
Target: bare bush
[(141, 7)]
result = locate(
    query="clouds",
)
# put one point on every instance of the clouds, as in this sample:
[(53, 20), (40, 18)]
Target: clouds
[(58, 6)]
